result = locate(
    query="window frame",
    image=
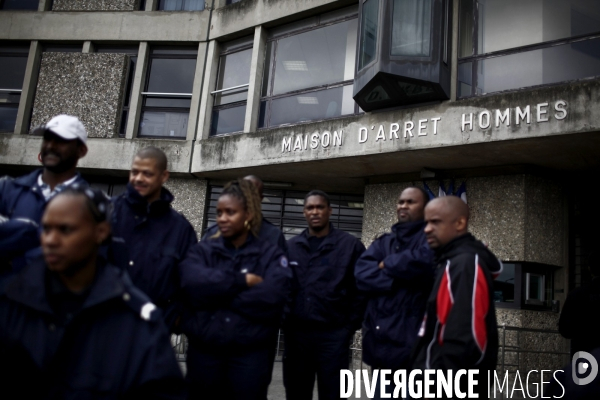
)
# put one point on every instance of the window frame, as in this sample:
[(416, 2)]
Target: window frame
[(161, 2), (147, 94), (475, 58), (523, 271), (221, 107), (272, 72), (22, 52), (3, 3)]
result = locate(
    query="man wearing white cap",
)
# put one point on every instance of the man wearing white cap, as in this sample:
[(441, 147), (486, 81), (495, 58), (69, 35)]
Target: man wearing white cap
[(23, 200)]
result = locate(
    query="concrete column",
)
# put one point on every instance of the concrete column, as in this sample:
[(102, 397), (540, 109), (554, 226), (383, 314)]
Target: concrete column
[(44, 5), (257, 67), (135, 105), (151, 5), (454, 50), (32, 70), (196, 92), (88, 47), (210, 78)]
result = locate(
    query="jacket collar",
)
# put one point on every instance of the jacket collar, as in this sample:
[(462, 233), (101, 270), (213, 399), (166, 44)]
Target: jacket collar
[(406, 230), (450, 248), (29, 287), (221, 246), (161, 205), (30, 180), (329, 240)]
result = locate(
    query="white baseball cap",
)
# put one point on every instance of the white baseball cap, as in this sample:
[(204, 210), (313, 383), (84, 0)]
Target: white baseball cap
[(67, 127)]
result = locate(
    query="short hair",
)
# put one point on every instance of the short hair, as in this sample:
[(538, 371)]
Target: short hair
[(97, 203), (423, 192), (156, 154), (318, 193)]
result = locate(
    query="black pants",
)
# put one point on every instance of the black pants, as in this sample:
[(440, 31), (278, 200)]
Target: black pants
[(228, 374), (310, 353)]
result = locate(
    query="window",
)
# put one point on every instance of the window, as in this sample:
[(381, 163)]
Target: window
[(19, 4), (181, 5), (227, 2), (231, 92), (132, 51), (283, 208), (403, 53), (309, 70), (166, 101), (524, 285), (13, 60), (510, 44)]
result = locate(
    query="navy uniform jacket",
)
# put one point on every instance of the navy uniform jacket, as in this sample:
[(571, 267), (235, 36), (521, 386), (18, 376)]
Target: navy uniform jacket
[(268, 232), (460, 330), (116, 346), (157, 238), (324, 290), (397, 293), (22, 205), (222, 310)]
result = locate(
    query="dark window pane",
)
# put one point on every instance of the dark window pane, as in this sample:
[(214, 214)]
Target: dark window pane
[(142, 5), (467, 20), (312, 106), (130, 77), (317, 57), (20, 4), (411, 28), (504, 285), (12, 72), (191, 51), (227, 120), (123, 124), (102, 48), (544, 66), (465, 79), (232, 1), (171, 75), (8, 119), (262, 114), (236, 44), (368, 32), (63, 48), (234, 70), (179, 102), (9, 98), (163, 124), (181, 5), (505, 24)]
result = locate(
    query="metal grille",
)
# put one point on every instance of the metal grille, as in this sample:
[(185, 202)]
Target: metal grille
[(283, 208)]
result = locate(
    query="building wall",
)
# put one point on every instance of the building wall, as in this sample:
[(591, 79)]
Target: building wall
[(190, 199), (95, 5), (87, 85)]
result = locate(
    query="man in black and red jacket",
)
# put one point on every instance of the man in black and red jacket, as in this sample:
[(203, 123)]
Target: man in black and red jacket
[(459, 329)]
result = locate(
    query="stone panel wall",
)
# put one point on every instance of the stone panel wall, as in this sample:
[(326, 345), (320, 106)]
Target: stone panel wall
[(89, 86), (190, 197), (95, 5)]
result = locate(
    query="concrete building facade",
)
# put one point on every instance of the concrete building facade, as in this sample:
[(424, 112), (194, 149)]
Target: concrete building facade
[(500, 95)]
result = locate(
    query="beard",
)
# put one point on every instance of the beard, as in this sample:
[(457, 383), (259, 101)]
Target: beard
[(63, 165)]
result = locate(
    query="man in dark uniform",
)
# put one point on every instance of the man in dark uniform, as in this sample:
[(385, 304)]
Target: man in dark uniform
[(23, 200), (156, 236), (459, 329), (268, 231), (396, 272), (73, 326), (325, 308)]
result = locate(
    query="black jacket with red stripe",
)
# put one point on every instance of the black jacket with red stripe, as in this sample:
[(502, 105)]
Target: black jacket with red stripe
[(459, 329)]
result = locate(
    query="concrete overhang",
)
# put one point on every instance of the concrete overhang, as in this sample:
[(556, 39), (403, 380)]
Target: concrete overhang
[(240, 18), (568, 140), (105, 156), (134, 26)]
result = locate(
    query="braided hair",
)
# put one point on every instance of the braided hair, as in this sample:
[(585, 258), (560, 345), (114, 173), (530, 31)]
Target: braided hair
[(247, 192)]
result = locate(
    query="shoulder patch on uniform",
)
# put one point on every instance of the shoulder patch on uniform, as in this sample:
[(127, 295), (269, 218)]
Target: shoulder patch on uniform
[(283, 261), (146, 311)]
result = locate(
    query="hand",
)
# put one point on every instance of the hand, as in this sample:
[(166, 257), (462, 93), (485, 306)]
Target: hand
[(253, 279), (381, 265)]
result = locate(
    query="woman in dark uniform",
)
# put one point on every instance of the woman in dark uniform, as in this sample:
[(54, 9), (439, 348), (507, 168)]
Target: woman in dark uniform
[(235, 287)]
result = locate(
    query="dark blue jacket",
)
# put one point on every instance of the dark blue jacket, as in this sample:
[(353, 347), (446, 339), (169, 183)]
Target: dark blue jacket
[(397, 293), (324, 292), (113, 347), (157, 238), (268, 232), (22, 205), (223, 310)]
